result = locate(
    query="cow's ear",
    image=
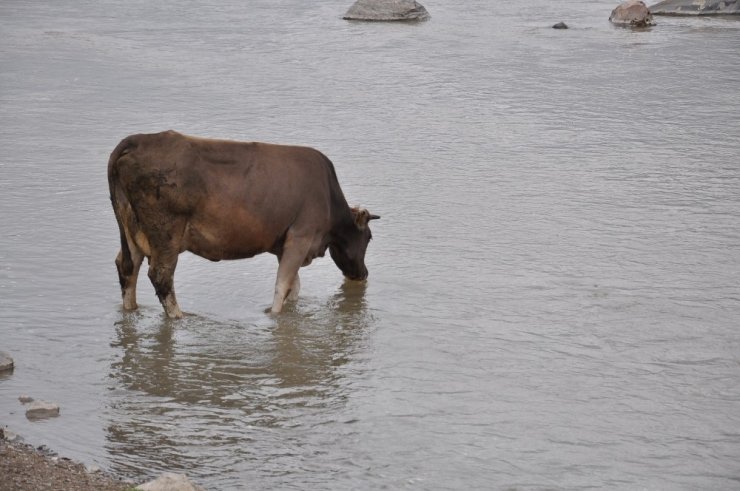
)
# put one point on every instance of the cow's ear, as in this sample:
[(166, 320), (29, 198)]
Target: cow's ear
[(362, 216)]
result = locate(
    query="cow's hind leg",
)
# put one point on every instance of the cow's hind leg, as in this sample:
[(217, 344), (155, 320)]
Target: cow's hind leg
[(164, 236), (162, 275), (128, 263)]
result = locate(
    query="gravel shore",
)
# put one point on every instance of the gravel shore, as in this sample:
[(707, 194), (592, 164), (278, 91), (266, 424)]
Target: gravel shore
[(25, 468)]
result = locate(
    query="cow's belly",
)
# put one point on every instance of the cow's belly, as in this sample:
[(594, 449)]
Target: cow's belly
[(218, 239)]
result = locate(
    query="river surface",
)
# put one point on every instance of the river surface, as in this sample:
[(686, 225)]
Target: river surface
[(554, 290)]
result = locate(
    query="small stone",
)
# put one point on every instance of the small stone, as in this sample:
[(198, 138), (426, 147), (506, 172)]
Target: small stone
[(25, 399), (42, 409), (43, 449), (93, 469), (560, 25), (6, 362), (9, 436), (170, 482)]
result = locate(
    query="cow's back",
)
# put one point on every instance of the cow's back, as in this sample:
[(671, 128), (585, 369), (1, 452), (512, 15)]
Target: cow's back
[(279, 185)]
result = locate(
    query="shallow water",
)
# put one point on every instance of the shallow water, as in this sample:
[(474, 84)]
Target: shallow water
[(553, 298)]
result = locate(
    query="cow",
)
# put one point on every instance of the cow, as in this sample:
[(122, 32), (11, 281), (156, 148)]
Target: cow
[(222, 199)]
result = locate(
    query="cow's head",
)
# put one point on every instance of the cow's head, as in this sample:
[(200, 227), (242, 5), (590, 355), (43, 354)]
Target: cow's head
[(348, 248)]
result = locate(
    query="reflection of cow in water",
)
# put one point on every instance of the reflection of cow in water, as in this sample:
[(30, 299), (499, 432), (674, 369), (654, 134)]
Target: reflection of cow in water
[(298, 373), (229, 200)]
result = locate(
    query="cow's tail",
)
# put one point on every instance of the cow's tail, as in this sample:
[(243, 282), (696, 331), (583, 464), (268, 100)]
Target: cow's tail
[(121, 205)]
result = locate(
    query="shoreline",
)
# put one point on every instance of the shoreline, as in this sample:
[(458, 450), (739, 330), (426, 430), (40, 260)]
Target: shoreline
[(27, 468)]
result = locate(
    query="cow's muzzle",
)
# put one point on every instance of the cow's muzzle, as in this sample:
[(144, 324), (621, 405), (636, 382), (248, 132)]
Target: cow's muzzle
[(361, 276)]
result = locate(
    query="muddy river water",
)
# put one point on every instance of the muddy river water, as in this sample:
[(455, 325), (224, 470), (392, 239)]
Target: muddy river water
[(553, 300)]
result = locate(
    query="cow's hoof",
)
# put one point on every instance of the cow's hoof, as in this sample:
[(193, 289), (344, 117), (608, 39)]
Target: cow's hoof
[(175, 315)]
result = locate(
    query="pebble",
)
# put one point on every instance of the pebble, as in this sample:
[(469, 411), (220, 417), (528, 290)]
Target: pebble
[(44, 450), (25, 399)]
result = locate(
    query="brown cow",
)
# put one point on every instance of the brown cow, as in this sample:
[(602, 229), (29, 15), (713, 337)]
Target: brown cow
[(228, 200)]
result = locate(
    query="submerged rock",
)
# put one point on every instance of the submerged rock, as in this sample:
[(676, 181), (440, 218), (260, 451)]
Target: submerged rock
[(41, 410), (696, 7), (387, 10), (560, 25), (6, 362), (170, 482), (633, 13)]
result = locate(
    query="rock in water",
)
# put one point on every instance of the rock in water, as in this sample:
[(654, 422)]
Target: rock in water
[(696, 7), (170, 482), (633, 13), (6, 362), (41, 410), (9, 436), (387, 10), (560, 25)]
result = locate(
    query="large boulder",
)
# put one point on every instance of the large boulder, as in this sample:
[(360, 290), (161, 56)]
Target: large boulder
[(387, 10), (696, 7), (633, 13)]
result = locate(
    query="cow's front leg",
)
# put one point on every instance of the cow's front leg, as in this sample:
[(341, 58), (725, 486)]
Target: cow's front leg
[(162, 275), (293, 256), (295, 288)]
